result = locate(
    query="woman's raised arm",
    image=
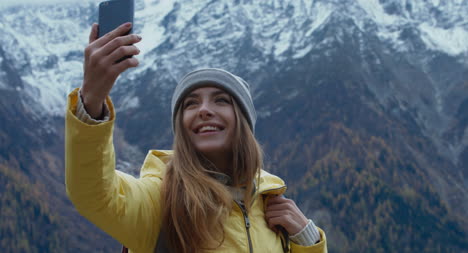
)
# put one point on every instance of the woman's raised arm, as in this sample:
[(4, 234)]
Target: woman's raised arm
[(124, 207)]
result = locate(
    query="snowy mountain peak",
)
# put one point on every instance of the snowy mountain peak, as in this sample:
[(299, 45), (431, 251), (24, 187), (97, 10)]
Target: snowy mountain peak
[(45, 43), (443, 27)]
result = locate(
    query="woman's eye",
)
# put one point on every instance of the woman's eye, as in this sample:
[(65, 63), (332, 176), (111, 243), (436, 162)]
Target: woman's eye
[(223, 100), (189, 103)]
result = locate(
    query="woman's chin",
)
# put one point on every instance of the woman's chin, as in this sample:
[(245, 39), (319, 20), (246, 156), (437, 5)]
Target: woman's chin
[(214, 152)]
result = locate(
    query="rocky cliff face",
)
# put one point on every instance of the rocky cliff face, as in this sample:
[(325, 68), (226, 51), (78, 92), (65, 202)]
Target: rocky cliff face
[(362, 104)]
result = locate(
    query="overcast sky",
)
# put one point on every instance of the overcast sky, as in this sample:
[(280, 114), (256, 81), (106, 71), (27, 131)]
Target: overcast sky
[(5, 3)]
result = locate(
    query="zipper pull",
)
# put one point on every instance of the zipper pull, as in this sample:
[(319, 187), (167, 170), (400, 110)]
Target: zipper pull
[(247, 221), (244, 212)]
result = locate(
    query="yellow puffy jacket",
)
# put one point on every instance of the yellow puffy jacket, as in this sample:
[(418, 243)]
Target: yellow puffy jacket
[(129, 209)]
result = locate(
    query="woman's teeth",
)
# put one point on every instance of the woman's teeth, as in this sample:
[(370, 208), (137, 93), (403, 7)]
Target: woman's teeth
[(208, 128)]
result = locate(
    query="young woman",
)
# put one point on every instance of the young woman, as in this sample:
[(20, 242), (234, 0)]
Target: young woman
[(208, 195)]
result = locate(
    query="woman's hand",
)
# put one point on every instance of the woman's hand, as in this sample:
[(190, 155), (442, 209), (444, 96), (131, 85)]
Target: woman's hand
[(284, 212), (100, 67)]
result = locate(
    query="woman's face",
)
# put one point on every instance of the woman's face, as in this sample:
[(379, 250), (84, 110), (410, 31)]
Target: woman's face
[(209, 120)]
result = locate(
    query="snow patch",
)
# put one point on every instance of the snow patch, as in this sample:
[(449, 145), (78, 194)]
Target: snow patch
[(392, 36), (148, 17), (152, 37), (323, 12), (452, 41), (263, 114), (189, 11), (51, 94), (435, 2), (293, 94), (129, 103), (378, 14), (300, 53), (149, 2), (283, 42)]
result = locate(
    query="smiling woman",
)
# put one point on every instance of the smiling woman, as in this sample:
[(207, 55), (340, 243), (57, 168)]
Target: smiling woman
[(209, 194)]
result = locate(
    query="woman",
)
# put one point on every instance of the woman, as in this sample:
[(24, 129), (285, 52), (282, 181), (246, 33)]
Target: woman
[(208, 195)]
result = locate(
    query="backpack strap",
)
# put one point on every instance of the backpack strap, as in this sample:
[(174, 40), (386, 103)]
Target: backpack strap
[(284, 239), (161, 246)]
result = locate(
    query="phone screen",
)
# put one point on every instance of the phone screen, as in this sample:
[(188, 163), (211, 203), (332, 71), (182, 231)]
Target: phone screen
[(114, 13)]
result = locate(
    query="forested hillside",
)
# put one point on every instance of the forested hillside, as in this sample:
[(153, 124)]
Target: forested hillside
[(27, 222)]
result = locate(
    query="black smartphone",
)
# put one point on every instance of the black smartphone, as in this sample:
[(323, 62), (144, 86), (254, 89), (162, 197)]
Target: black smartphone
[(114, 13)]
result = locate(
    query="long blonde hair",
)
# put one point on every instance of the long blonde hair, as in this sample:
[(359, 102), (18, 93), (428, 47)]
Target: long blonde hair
[(195, 204)]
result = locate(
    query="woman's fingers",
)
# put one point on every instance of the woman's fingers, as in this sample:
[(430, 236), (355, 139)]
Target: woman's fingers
[(119, 31), (121, 52), (113, 48), (99, 47), (284, 212), (119, 67), (275, 207), (103, 59), (118, 42), (276, 221), (277, 199), (93, 35), (280, 202), (273, 214), (125, 64)]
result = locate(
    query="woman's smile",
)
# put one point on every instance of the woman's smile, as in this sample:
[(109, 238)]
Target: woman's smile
[(208, 128)]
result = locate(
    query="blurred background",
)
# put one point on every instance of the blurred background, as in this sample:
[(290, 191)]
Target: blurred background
[(362, 105)]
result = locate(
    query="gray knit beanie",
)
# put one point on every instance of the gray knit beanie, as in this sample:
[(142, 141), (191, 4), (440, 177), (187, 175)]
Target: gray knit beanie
[(230, 83)]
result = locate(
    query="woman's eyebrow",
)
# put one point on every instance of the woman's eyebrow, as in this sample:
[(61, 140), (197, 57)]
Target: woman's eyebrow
[(192, 95), (219, 92)]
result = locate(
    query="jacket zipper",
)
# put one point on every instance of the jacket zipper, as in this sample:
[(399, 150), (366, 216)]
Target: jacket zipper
[(247, 223)]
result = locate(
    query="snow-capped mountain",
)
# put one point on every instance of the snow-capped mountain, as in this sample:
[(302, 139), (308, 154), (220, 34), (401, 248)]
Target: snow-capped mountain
[(46, 42), (383, 82)]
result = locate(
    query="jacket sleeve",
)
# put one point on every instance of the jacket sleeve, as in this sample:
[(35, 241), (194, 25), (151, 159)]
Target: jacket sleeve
[(124, 207), (319, 247)]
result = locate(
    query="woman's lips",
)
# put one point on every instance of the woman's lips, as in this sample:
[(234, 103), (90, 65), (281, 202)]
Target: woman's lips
[(208, 128)]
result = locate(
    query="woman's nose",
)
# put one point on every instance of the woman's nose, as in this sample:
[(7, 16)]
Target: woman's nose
[(205, 111)]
